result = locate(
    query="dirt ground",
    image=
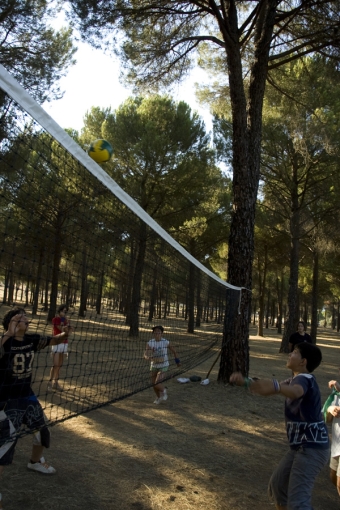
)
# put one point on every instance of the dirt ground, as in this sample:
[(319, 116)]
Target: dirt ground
[(207, 447)]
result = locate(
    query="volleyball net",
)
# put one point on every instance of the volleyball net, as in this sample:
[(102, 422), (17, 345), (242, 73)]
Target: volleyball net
[(70, 235)]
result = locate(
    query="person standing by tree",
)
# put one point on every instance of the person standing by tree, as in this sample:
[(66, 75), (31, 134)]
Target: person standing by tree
[(299, 336)]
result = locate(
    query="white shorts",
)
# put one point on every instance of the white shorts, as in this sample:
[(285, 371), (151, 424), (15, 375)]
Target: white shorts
[(60, 348)]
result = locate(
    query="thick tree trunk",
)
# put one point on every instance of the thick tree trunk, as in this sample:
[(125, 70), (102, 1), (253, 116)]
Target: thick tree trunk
[(247, 132)]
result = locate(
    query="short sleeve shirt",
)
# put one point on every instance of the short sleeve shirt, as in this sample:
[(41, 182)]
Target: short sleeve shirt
[(57, 321), (304, 420), (16, 362), (160, 351), (296, 338)]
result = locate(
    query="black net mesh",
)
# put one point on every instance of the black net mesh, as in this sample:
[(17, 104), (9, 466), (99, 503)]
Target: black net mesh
[(66, 238)]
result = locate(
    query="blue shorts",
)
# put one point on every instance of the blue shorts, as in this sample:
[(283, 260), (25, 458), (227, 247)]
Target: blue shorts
[(22, 411), (292, 482)]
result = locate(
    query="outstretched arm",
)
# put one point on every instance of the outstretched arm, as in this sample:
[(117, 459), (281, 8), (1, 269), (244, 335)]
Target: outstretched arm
[(268, 387)]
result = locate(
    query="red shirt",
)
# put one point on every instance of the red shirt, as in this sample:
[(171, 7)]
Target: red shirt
[(57, 321)]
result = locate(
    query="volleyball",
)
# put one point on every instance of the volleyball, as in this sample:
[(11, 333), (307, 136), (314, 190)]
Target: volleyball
[(100, 151)]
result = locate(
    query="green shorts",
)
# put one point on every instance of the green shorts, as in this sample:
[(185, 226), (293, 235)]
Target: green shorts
[(157, 369)]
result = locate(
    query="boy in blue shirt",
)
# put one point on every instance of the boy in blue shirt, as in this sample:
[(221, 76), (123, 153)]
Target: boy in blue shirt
[(292, 482)]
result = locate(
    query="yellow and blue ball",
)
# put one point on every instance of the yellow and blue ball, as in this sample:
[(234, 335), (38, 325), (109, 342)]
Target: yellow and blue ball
[(100, 151)]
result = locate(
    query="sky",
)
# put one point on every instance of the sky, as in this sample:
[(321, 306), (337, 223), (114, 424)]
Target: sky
[(94, 81)]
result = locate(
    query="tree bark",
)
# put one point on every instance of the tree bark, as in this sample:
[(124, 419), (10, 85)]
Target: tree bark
[(247, 132), (290, 323), (137, 282), (262, 293), (191, 299), (315, 293)]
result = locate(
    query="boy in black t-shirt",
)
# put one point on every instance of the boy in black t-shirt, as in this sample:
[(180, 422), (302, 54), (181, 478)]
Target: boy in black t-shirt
[(18, 403), (292, 482)]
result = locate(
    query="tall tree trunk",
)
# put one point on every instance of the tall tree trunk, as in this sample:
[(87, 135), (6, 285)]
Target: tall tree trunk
[(290, 324), (153, 296), (4, 297), (198, 300), (55, 267), (83, 285), (99, 292), (267, 309), (262, 292), (191, 299), (11, 285), (247, 132), (137, 281), (315, 293), (38, 281), (127, 298)]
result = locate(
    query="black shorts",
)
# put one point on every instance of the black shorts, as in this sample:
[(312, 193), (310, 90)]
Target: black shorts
[(22, 411)]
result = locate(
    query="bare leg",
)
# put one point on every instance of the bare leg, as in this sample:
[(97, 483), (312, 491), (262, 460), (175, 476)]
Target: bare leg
[(37, 451), (58, 362), (335, 479), (58, 359), (159, 386), (154, 379)]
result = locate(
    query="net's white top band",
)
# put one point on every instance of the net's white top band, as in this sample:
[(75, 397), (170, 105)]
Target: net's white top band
[(19, 94)]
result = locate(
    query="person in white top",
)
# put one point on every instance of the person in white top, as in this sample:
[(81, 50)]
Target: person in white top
[(157, 351), (333, 415)]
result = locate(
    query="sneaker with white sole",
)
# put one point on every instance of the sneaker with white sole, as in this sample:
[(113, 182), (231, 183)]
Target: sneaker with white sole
[(165, 395), (41, 467), (158, 400)]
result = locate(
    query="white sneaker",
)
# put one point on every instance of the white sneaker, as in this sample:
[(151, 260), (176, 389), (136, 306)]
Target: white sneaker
[(158, 400), (165, 395), (41, 467)]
